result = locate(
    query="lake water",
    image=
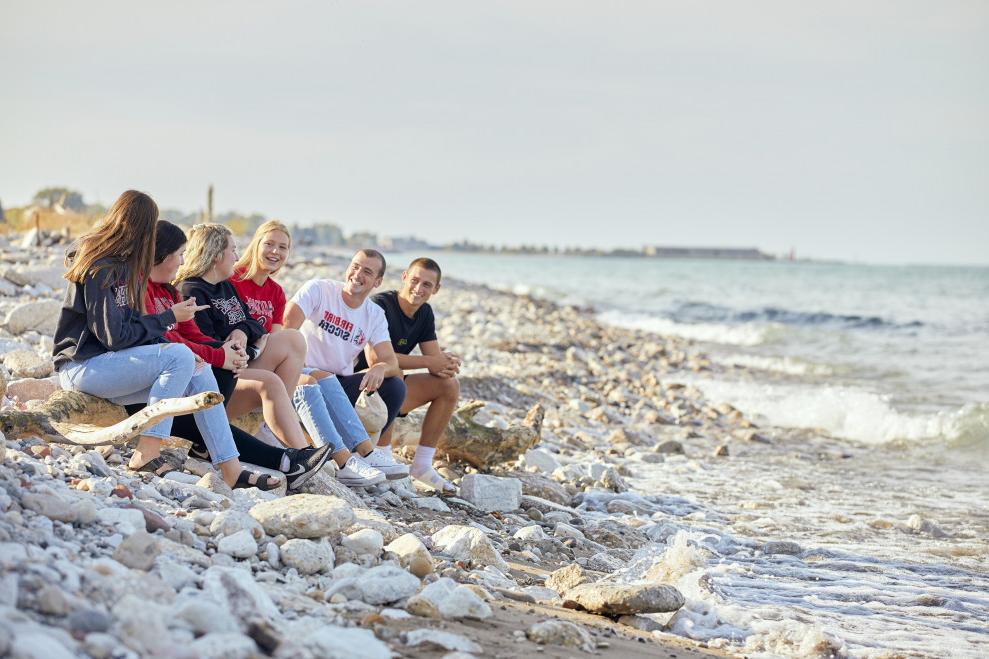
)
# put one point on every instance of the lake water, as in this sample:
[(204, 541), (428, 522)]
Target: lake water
[(881, 376)]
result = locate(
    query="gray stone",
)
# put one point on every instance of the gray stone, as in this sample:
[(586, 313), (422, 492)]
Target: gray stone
[(50, 504), (304, 516), (781, 547), (138, 550), (491, 493), (38, 643), (466, 543), (228, 522), (307, 556), (620, 599), (560, 632), (366, 542), (407, 547), (239, 545), (540, 460), (383, 584), (203, 616), (329, 642), (431, 503), (40, 315), (87, 621), (238, 593), (669, 446)]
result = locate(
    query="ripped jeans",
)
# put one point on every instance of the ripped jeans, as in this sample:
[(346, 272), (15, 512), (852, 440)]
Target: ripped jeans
[(328, 415)]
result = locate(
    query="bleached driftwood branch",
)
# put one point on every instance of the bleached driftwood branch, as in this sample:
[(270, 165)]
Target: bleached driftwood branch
[(71, 417)]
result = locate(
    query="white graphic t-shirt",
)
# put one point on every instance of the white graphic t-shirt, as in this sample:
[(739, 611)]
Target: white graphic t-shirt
[(334, 332)]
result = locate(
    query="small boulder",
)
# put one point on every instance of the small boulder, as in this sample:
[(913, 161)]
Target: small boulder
[(239, 545), (366, 542), (560, 632), (27, 389), (27, 364), (491, 493), (307, 556), (566, 578), (304, 516), (467, 543), (445, 598), (138, 550), (624, 599), (40, 315)]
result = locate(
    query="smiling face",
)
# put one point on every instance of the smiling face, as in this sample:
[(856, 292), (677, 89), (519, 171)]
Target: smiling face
[(225, 263), (363, 276), (418, 285), (273, 251), (165, 271)]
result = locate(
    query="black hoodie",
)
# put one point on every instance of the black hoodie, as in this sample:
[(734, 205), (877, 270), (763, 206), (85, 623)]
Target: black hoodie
[(96, 318), (226, 312)]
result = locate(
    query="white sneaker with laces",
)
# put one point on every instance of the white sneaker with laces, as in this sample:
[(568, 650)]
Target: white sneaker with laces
[(383, 461), (358, 473)]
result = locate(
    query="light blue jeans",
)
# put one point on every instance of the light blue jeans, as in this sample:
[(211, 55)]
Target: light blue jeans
[(147, 374), (328, 415)]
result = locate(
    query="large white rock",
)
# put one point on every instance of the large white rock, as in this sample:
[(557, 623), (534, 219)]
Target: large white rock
[(466, 543), (40, 315), (307, 556), (304, 516), (445, 598), (539, 460), (228, 522), (27, 389), (451, 642), (531, 533), (408, 547), (364, 542), (239, 545), (229, 645), (50, 276), (379, 585), (491, 493)]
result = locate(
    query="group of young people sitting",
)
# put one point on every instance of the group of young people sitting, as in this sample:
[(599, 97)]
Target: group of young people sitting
[(151, 313)]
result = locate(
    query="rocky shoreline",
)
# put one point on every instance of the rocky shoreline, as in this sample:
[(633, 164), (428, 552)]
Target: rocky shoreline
[(99, 562)]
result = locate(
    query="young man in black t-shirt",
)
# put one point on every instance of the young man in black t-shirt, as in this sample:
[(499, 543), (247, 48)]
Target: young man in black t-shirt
[(411, 323)]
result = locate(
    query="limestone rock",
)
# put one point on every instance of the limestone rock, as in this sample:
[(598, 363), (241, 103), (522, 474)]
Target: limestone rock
[(50, 276), (307, 556), (27, 364), (239, 545), (330, 642), (304, 516), (372, 412), (379, 585), (229, 645), (325, 484), (614, 534), (781, 547), (566, 578), (50, 504), (539, 460), (445, 598), (466, 543), (40, 315), (237, 591), (228, 522), (453, 643), (138, 550), (364, 542), (621, 599), (538, 485), (491, 493), (407, 547), (560, 632)]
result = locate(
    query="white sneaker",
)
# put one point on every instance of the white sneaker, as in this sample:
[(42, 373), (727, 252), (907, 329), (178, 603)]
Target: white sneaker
[(383, 461), (358, 473), (265, 435)]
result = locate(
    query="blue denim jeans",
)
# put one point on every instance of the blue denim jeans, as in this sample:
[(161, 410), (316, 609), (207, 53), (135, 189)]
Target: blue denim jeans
[(147, 374), (328, 415)]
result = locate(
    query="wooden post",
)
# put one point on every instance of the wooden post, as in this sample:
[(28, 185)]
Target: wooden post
[(209, 204)]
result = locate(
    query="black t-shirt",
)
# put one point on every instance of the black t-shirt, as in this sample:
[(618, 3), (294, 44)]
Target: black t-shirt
[(406, 333)]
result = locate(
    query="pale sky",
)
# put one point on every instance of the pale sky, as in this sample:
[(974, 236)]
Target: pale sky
[(846, 129)]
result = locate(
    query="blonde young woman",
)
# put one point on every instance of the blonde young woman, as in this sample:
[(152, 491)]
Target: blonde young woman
[(273, 363), (105, 345)]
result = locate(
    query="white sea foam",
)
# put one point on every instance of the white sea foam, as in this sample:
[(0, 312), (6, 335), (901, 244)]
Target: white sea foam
[(750, 334), (788, 365), (847, 412)]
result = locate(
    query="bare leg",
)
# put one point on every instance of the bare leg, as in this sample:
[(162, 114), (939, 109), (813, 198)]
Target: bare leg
[(257, 387), (284, 355), (441, 394), (148, 448)]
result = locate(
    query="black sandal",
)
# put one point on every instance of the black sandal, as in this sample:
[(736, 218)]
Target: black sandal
[(158, 466), (261, 481)]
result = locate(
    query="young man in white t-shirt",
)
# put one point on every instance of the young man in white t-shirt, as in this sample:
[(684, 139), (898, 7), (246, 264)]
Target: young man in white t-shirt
[(338, 321)]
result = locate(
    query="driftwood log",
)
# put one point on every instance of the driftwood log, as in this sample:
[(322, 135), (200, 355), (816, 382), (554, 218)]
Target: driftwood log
[(71, 417), (473, 443)]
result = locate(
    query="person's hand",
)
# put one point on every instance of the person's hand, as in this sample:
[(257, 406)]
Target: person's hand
[(444, 365), (234, 358), (237, 338), (186, 309), (373, 378)]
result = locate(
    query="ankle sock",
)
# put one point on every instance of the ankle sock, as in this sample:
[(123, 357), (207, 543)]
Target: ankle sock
[(423, 460), (283, 465)]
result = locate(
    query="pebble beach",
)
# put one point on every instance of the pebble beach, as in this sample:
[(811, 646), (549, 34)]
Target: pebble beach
[(637, 518)]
